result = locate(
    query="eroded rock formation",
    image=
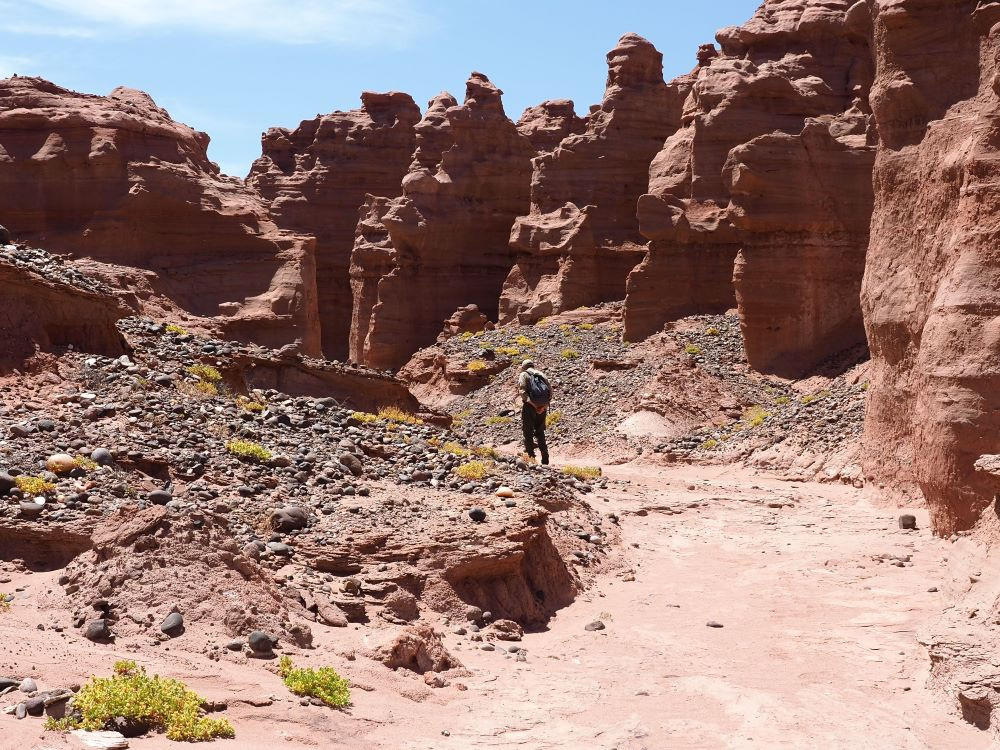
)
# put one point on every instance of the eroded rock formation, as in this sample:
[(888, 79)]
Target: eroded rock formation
[(115, 179), (930, 292), (548, 123), (317, 175), (773, 163), (581, 238), (449, 230)]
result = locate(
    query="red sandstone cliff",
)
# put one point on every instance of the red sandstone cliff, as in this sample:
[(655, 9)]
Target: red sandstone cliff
[(773, 164), (449, 231), (581, 238), (115, 179), (932, 283), (317, 176)]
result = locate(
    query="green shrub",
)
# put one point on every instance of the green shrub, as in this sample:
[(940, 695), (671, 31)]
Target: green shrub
[(171, 328), (248, 449), (524, 342), (582, 472), (34, 485), (491, 421), (85, 463), (323, 683), (570, 354), (709, 444), (364, 416), (458, 419), (782, 400), (475, 470), (712, 331), (552, 418), (476, 365), (508, 351), (248, 404), (486, 451), (166, 705), (4, 604), (586, 326), (692, 349)]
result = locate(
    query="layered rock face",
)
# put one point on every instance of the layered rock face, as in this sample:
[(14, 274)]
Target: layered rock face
[(449, 231), (581, 238), (772, 163), (115, 179), (930, 292), (547, 124), (317, 175)]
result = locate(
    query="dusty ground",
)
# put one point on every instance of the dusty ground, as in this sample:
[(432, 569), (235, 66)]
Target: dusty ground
[(818, 646)]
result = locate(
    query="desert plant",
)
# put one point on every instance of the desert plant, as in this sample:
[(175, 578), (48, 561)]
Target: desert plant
[(4, 604), (203, 372), (524, 342), (493, 421), (456, 449), (395, 414), (33, 485), (570, 354), (782, 400), (173, 328), (754, 416), (459, 418), (364, 416), (508, 351), (586, 326), (552, 418), (582, 472), (486, 451), (693, 349), (248, 449), (476, 365), (323, 683), (156, 702), (475, 470), (85, 463), (712, 331), (249, 404), (709, 444)]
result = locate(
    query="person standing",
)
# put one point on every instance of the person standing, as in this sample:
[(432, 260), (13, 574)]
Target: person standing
[(536, 395)]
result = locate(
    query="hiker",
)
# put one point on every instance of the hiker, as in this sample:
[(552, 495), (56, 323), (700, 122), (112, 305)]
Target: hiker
[(536, 394)]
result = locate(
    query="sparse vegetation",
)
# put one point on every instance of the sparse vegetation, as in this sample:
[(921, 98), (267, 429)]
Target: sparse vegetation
[(476, 365), (782, 400), (248, 449), (754, 416), (475, 470), (570, 354), (582, 472), (586, 326), (4, 604), (364, 416), (249, 404), (173, 328), (508, 351), (34, 485), (709, 444), (524, 342), (692, 349), (468, 335), (85, 463), (206, 373), (395, 414), (456, 449), (458, 419), (323, 683), (552, 418), (486, 451), (493, 421), (712, 331), (162, 704)]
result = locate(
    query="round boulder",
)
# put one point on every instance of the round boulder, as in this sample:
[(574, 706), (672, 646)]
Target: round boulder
[(61, 463)]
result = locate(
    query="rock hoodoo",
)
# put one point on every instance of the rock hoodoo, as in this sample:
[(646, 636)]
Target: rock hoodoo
[(581, 237), (449, 230), (317, 175), (116, 179), (772, 165)]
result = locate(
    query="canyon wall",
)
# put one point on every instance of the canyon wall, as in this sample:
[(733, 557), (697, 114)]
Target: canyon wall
[(580, 239), (762, 198), (317, 175), (931, 290), (449, 231), (115, 179)]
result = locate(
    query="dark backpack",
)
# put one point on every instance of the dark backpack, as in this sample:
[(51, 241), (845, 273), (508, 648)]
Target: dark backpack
[(539, 390)]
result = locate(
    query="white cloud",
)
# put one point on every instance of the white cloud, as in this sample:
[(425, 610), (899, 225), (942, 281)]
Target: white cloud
[(348, 22), (42, 29)]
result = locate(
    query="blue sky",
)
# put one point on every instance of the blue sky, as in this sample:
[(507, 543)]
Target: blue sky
[(233, 68)]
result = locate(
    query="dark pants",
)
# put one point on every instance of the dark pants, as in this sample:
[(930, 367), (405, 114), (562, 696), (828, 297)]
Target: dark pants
[(533, 426)]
